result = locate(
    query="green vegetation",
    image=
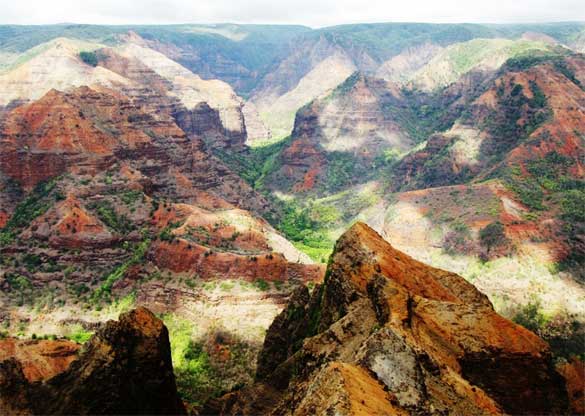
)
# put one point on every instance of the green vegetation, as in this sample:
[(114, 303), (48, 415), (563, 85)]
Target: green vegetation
[(89, 58), (564, 332), (345, 87), (261, 284), (34, 205), (343, 170), (22, 285), (422, 114), (492, 236), (573, 215), (561, 66), (105, 290), (257, 164), (78, 334), (108, 215), (459, 240), (556, 58), (166, 233), (437, 170), (461, 58), (522, 62), (31, 261), (515, 119), (130, 197), (190, 362), (550, 184), (205, 366), (306, 226)]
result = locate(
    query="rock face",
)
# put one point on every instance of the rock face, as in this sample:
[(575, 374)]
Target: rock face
[(386, 334), (255, 128), (550, 103), (209, 109), (55, 64), (541, 140), (87, 131), (357, 121), (401, 67), (91, 178), (125, 368), (131, 67), (313, 68), (40, 359)]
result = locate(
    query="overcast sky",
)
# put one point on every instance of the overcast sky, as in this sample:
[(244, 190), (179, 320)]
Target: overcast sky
[(315, 13)]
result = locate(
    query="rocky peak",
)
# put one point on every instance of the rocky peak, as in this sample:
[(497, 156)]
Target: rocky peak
[(414, 339), (357, 120), (125, 368)]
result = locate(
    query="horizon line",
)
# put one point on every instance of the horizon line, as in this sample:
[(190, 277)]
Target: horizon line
[(413, 22)]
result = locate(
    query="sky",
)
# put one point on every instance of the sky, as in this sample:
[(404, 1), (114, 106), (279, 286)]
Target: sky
[(314, 13)]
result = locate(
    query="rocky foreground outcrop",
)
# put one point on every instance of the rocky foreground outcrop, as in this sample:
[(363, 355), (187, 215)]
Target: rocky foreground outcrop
[(386, 334), (125, 368)]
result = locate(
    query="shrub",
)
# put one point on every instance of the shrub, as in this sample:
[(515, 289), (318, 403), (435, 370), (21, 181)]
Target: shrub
[(31, 261), (493, 236), (118, 273), (107, 214), (167, 233), (89, 58), (459, 240), (261, 284), (33, 206), (563, 331), (79, 335)]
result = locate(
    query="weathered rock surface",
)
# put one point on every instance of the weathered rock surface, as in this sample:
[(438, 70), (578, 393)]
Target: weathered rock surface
[(125, 368), (40, 359), (96, 173), (544, 133), (131, 67), (574, 374), (386, 334), (357, 121), (313, 68)]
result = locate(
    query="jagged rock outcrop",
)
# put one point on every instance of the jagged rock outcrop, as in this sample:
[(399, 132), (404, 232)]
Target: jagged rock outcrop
[(386, 334), (574, 374), (125, 368)]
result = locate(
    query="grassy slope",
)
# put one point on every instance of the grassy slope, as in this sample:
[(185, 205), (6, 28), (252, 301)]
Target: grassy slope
[(460, 58)]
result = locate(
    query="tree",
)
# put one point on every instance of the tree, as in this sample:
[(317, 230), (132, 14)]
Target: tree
[(23, 285), (89, 58), (492, 235)]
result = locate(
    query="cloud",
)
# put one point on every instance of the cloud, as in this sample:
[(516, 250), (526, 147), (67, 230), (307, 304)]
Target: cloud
[(309, 12)]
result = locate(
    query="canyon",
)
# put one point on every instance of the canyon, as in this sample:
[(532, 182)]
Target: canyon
[(290, 220)]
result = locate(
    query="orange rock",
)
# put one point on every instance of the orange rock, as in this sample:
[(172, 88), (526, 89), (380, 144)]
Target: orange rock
[(574, 374), (386, 334), (40, 359)]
